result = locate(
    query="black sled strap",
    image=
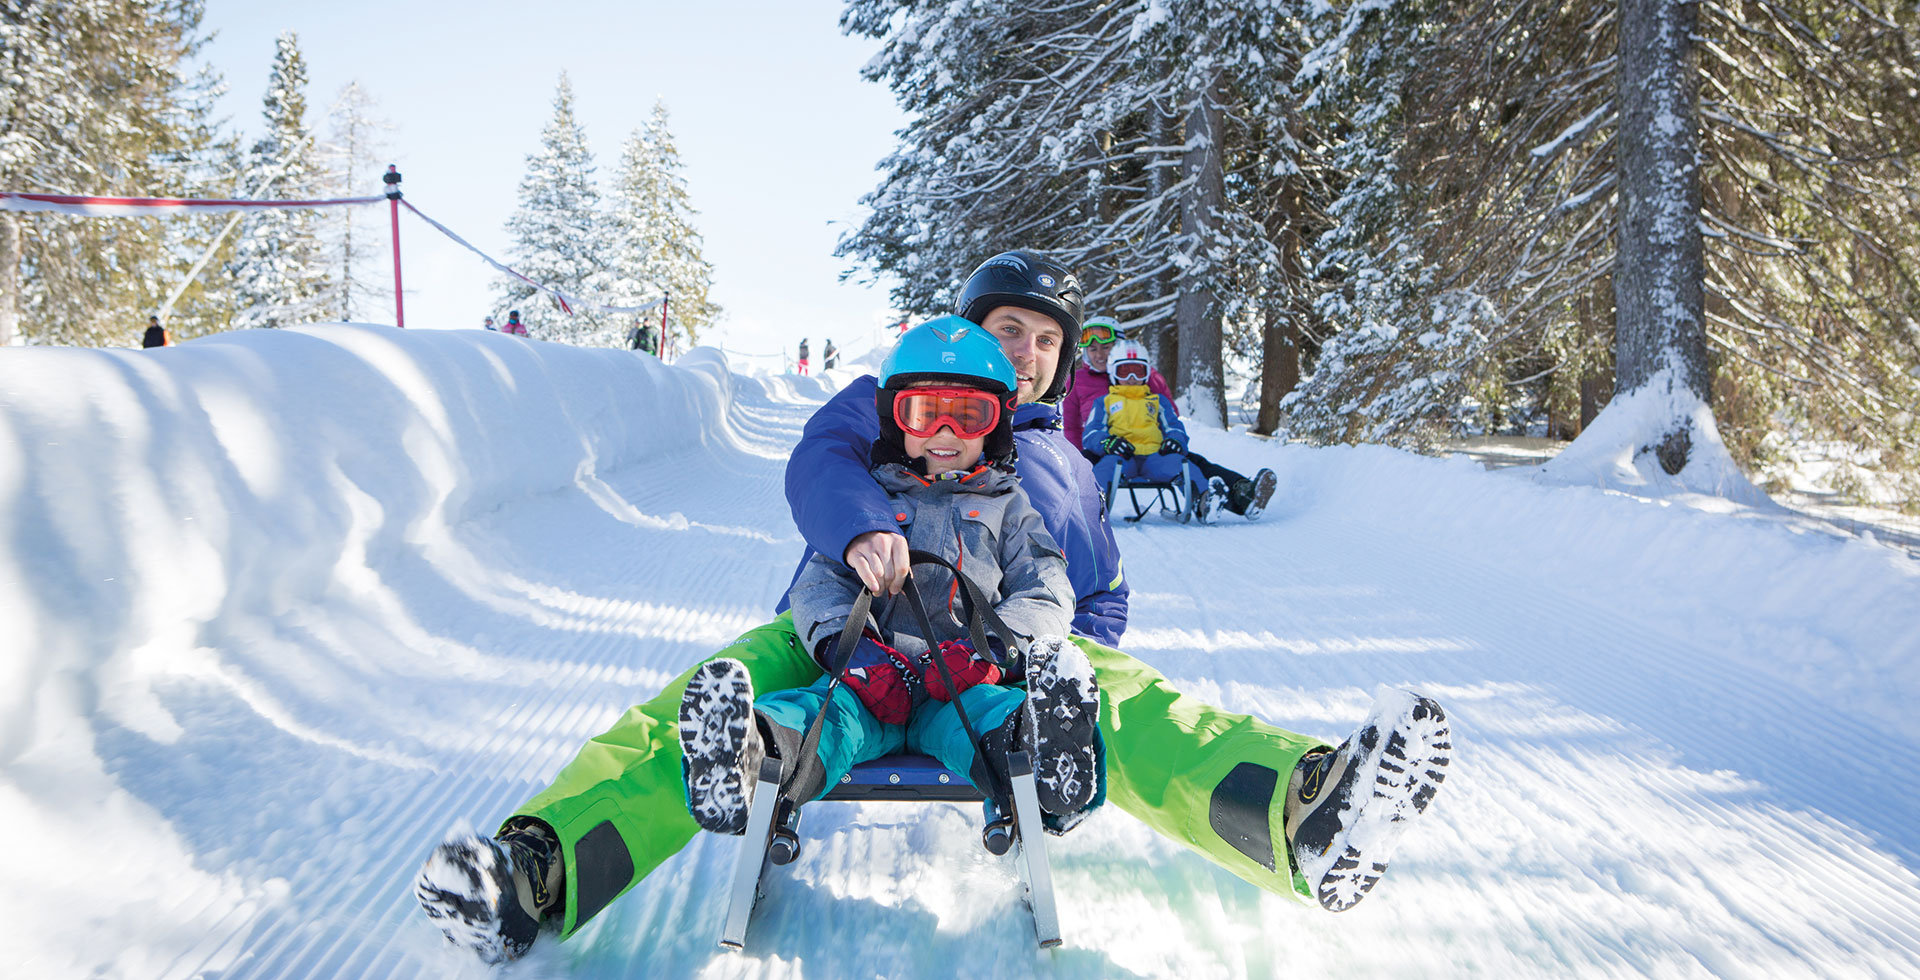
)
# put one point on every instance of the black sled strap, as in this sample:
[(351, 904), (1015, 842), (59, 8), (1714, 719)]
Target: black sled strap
[(842, 654)]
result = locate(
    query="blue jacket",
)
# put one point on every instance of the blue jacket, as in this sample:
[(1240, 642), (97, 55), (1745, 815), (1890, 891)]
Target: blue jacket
[(835, 499)]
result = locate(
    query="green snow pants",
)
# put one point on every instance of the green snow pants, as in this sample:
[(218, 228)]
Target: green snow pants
[(1211, 779)]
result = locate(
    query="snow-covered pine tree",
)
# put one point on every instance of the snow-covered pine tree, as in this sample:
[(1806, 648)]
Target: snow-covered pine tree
[(1658, 421), (559, 235), (1505, 154), (1098, 132), (279, 268), (1399, 359), (90, 104), (354, 157), (656, 246)]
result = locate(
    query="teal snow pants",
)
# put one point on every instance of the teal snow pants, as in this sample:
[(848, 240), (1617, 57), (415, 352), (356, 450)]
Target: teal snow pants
[(850, 734)]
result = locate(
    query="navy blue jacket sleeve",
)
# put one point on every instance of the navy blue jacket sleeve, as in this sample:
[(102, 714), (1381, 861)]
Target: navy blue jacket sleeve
[(1059, 481)]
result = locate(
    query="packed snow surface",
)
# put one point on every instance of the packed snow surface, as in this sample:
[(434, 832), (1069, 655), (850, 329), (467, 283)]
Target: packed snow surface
[(283, 608)]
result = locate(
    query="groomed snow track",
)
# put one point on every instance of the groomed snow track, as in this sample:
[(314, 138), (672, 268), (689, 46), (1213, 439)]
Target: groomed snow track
[(1631, 795)]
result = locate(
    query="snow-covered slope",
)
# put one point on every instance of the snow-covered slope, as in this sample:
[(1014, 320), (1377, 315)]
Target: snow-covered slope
[(281, 608)]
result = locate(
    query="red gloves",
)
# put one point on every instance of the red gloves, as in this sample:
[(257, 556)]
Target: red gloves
[(889, 688), (884, 689), (968, 668)]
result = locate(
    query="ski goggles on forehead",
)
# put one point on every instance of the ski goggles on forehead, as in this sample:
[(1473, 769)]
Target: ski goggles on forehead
[(969, 412), (1130, 372), (1098, 333)]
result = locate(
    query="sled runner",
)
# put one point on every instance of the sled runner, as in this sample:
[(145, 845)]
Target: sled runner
[(773, 826), (773, 820), (1167, 496)]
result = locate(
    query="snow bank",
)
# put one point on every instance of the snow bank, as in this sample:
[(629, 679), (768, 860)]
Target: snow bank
[(1612, 452), (1781, 595), (169, 513)]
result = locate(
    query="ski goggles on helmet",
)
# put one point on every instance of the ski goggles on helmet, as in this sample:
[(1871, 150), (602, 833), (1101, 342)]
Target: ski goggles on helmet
[(1130, 372), (969, 412), (1098, 333)]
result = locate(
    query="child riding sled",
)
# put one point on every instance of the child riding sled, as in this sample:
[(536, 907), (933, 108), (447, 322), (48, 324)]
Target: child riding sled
[(1139, 436), (945, 404)]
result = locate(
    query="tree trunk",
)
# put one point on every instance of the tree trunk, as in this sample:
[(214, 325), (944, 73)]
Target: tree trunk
[(1280, 341), (1659, 327), (1201, 390), (10, 257), (1279, 369), (1162, 340)]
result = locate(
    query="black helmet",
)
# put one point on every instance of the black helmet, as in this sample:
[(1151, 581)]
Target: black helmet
[(1030, 280), (513, 314)]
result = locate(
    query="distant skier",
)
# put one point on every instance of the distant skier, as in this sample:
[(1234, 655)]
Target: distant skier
[(514, 326), (1139, 436), (640, 338), (944, 460), (830, 358), (1246, 497), (801, 366), (488, 323), (156, 335)]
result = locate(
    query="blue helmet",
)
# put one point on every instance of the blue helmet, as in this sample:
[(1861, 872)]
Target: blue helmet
[(948, 348)]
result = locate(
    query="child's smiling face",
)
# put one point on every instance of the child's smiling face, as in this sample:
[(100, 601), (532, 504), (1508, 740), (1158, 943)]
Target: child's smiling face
[(944, 451)]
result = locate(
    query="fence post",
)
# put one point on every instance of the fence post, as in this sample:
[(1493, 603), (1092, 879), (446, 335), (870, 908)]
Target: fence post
[(392, 180)]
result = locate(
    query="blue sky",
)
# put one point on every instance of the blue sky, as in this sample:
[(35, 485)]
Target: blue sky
[(778, 132)]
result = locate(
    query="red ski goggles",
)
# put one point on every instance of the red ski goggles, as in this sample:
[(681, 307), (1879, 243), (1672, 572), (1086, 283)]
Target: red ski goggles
[(1131, 373), (969, 412)]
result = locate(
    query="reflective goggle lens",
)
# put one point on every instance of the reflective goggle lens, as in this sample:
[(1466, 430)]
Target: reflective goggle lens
[(1130, 372), (922, 411), (1099, 333)]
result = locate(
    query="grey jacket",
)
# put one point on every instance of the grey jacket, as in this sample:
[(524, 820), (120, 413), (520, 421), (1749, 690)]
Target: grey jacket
[(982, 523)]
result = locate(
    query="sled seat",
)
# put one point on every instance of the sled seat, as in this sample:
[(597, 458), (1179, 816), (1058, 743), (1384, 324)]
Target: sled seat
[(904, 777), (773, 830)]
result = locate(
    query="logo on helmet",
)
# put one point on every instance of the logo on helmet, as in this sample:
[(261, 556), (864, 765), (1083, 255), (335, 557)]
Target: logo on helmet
[(1046, 280), (949, 357)]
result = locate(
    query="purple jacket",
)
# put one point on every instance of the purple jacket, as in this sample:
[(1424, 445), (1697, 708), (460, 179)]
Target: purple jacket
[(835, 499), (1088, 388)]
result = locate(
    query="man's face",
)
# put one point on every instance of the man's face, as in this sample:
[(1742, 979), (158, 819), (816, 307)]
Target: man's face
[(1032, 341)]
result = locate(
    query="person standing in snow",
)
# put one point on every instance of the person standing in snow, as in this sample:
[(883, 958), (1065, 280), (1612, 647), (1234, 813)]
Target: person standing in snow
[(1244, 496), (156, 335), (488, 324), (830, 357), (1287, 812), (514, 326), (801, 361), (640, 338), (944, 461)]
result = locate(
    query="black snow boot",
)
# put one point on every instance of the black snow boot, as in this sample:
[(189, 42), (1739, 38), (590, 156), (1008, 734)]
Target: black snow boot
[(1347, 807), (489, 894), (720, 745), (1249, 498), (1062, 711)]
